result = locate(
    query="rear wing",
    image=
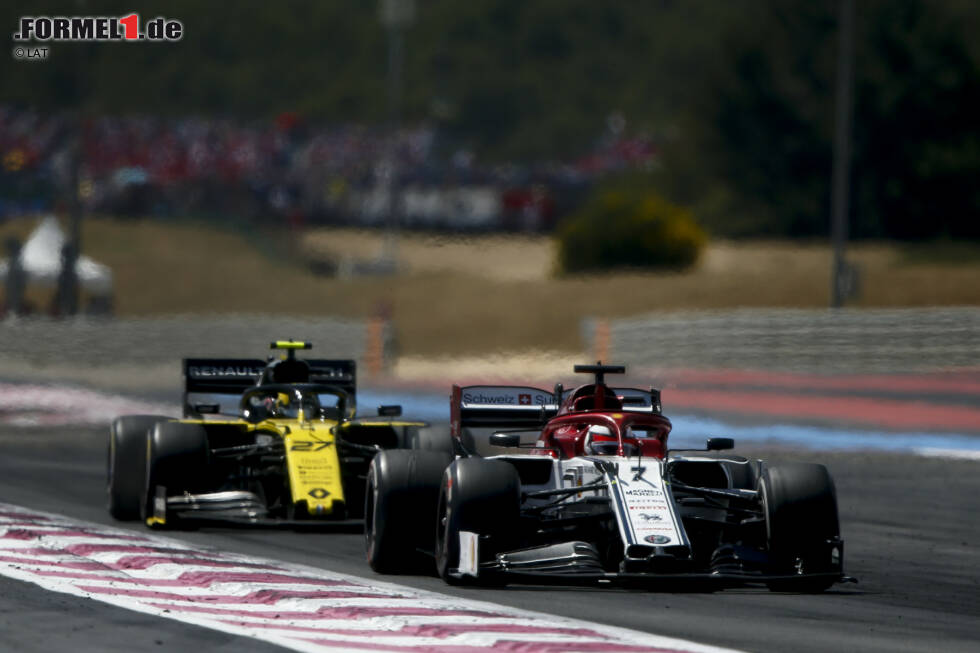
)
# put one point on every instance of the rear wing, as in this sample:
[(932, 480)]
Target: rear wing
[(338, 373), (220, 382), (634, 400), (500, 406)]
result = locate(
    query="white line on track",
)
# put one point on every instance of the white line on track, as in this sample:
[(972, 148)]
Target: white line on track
[(297, 607), (936, 452), (24, 404)]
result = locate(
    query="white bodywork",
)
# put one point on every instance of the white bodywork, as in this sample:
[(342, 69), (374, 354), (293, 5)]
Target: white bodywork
[(641, 499)]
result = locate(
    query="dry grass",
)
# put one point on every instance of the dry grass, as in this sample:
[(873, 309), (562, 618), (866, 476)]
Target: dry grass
[(484, 294)]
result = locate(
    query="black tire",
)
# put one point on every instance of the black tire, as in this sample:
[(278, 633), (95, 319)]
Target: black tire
[(126, 464), (400, 509), (481, 496), (429, 438), (800, 505), (177, 460)]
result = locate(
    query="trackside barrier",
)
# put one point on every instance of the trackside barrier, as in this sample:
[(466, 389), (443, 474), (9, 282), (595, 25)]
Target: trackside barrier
[(799, 340), (151, 341)]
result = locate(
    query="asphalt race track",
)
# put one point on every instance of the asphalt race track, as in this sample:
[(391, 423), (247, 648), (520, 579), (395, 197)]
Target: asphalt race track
[(909, 524)]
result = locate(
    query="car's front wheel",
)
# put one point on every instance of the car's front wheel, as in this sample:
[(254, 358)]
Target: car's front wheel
[(176, 461), (478, 496), (800, 505), (399, 508), (126, 464)]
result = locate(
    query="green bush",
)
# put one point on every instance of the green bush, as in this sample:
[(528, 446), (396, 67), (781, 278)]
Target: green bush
[(618, 229)]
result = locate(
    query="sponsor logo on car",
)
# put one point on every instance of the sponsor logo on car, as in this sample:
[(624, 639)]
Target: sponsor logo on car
[(223, 370), (657, 539), (481, 398), (506, 398), (648, 517), (644, 492)]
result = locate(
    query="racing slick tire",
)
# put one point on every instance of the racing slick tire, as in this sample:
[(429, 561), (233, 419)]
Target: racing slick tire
[(176, 460), (483, 497), (400, 508), (800, 505), (126, 464), (429, 438)]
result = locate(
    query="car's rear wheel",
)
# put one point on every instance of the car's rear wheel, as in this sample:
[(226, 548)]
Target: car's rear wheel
[(800, 505), (400, 508), (428, 438), (176, 461), (478, 496), (126, 464)]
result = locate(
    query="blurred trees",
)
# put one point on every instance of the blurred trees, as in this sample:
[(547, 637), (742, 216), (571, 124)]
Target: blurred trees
[(622, 229), (765, 122), (740, 95)]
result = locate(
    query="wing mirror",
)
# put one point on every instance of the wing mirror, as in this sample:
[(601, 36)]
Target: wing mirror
[(389, 411), (505, 440), (720, 444)]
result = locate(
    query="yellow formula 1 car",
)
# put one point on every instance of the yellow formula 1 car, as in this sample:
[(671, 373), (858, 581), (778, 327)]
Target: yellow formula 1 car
[(259, 443)]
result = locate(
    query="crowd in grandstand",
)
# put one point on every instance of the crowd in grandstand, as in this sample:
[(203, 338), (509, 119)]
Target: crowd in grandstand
[(286, 167)]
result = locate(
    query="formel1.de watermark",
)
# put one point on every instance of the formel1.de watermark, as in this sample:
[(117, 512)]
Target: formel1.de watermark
[(35, 34)]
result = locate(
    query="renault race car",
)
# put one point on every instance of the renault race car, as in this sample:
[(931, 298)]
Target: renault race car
[(260, 442), (596, 496)]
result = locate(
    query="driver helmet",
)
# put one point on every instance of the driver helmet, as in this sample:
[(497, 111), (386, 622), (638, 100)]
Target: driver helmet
[(258, 408), (282, 403), (600, 441)]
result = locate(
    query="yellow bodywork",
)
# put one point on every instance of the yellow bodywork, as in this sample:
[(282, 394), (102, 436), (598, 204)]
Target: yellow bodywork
[(312, 462), (314, 467)]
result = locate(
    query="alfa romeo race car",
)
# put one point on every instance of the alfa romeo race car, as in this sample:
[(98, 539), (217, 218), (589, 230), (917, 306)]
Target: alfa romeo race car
[(596, 496), (260, 442)]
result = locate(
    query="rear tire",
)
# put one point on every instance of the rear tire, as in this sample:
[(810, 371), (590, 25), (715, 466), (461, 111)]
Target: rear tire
[(177, 460), (800, 505), (428, 438), (400, 508), (126, 464), (483, 497)]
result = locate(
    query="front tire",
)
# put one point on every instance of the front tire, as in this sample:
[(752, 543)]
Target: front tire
[(480, 496), (177, 461), (800, 504), (399, 508), (126, 464)]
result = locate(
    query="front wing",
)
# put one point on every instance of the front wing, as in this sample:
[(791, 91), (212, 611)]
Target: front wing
[(577, 563), (232, 507)]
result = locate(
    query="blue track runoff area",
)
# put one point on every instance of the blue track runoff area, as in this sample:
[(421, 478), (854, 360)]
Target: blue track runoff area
[(691, 430)]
